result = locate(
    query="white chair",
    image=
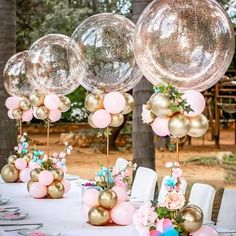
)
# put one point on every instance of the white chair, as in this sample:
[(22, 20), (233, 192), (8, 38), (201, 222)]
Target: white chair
[(203, 195), (121, 164), (144, 184), (227, 213), (163, 192)]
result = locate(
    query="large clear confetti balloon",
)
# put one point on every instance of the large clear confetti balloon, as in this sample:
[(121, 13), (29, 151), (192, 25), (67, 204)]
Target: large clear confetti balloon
[(47, 65), (14, 76), (106, 43), (189, 43)]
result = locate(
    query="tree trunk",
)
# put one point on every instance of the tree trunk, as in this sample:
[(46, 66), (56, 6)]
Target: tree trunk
[(7, 49), (142, 135)]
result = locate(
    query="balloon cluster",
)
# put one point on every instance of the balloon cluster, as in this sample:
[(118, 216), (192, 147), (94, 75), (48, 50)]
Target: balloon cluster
[(50, 106), (50, 183), (109, 205), (19, 108), (108, 109), (171, 112)]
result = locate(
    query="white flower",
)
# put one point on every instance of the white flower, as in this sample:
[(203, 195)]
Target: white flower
[(147, 116)]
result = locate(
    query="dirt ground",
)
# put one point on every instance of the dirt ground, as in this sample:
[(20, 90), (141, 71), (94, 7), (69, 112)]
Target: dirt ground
[(84, 161)]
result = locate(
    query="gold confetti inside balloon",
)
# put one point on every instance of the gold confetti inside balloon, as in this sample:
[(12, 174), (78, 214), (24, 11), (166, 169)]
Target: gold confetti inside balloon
[(107, 199), (187, 43), (99, 216), (105, 42), (193, 218), (47, 65), (15, 78), (10, 174), (198, 126), (56, 190)]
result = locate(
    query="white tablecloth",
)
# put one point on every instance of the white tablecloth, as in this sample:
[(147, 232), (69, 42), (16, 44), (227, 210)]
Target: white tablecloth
[(57, 215)]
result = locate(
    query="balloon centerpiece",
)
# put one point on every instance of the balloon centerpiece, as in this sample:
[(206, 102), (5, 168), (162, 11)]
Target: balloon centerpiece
[(107, 202), (171, 217)]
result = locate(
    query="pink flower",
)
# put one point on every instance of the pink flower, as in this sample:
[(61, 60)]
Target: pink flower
[(177, 172), (174, 201)]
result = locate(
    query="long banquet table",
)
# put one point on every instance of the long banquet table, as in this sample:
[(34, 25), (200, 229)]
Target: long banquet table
[(57, 215)]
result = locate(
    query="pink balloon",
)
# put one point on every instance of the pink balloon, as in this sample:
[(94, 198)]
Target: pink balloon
[(52, 101), (12, 102), (90, 198), (25, 175), (196, 101), (205, 231), (114, 102), (27, 115), (160, 126), (66, 185), (101, 118), (38, 190), (122, 213), (20, 163), (122, 195), (45, 177), (33, 165), (9, 113), (54, 115)]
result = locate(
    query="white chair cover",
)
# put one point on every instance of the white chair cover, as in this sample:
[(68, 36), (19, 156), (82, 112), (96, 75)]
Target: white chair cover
[(144, 184), (121, 164), (163, 192), (203, 195), (227, 214)]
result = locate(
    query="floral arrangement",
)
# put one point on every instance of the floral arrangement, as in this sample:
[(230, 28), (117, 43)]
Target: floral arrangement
[(165, 218), (108, 178), (172, 112)]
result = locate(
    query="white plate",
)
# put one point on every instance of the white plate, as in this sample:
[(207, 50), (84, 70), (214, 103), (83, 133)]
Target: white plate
[(3, 201), (13, 216), (71, 177)]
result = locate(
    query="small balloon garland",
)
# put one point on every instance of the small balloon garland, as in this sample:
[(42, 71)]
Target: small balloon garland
[(108, 201), (108, 109), (175, 113), (47, 179)]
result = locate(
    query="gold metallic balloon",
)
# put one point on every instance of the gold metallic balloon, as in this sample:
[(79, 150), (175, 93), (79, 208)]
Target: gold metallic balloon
[(17, 113), (10, 174), (29, 184), (99, 216), (12, 159), (107, 199), (25, 104), (36, 99), (35, 173), (129, 103), (56, 190), (198, 126), (27, 157), (160, 105), (90, 121), (116, 120), (42, 113), (193, 218), (58, 174), (94, 102), (65, 104), (179, 126)]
